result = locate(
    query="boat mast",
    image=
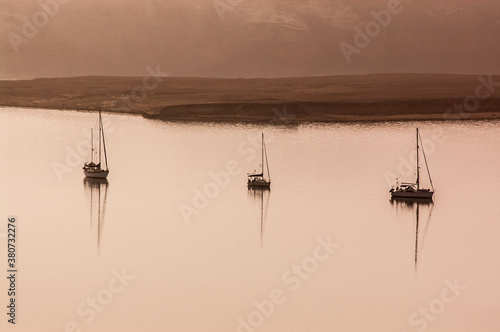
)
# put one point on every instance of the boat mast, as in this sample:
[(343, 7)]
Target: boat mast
[(103, 141), (92, 145), (267, 161), (426, 164), (99, 136), (262, 157), (418, 175)]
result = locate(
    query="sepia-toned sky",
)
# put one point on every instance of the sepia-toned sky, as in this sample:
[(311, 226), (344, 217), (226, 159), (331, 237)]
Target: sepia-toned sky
[(245, 38)]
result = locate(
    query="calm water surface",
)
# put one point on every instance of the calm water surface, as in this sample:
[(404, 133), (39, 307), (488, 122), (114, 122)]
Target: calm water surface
[(204, 270)]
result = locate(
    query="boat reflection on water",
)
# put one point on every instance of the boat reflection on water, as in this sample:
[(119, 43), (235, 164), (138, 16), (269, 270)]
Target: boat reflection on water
[(409, 205), (97, 191), (258, 195)]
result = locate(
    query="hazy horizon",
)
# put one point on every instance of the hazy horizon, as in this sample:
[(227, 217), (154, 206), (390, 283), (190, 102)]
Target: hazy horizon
[(246, 39), (238, 78)]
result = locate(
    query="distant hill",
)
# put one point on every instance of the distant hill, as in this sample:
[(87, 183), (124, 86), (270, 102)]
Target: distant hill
[(328, 98)]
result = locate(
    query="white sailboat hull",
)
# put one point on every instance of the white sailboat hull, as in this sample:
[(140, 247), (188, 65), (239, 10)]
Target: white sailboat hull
[(96, 174), (413, 194), (259, 184)]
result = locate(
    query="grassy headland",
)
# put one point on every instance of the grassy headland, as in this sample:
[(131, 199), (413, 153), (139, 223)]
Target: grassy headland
[(307, 99)]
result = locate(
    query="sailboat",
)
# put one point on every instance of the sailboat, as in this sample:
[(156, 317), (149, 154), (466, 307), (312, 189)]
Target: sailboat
[(94, 169), (259, 179), (413, 190)]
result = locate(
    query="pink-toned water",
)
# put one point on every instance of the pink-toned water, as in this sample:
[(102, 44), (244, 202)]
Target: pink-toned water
[(150, 267)]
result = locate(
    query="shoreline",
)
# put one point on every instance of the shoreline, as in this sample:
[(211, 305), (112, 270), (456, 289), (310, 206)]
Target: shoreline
[(72, 110), (477, 116)]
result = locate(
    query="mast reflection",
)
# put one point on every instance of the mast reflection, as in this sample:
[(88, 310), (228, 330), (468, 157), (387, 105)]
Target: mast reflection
[(97, 190), (408, 205), (258, 195)]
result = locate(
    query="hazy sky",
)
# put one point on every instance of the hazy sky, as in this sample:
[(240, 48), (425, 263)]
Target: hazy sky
[(246, 38)]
